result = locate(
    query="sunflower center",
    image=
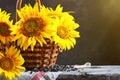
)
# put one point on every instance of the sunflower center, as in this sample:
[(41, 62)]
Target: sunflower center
[(32, 27), (4, 29), (6, 63), (62, 32)]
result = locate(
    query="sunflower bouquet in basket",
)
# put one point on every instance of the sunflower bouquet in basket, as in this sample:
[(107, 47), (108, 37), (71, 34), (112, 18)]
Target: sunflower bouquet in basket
[(42, 32), (39, 32), (38, 23)]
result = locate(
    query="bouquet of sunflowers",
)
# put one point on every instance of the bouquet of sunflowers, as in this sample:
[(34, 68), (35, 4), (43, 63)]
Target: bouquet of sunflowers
[(39, 33)]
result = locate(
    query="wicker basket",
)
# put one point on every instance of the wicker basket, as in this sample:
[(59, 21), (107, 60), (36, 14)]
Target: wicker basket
[(41, 56), (3, 46)]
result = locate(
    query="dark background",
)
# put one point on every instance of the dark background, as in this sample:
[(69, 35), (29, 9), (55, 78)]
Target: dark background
[(99, 29)]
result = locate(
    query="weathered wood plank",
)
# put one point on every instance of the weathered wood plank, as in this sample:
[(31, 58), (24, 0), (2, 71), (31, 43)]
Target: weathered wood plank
[(93, 73), (83, 73)]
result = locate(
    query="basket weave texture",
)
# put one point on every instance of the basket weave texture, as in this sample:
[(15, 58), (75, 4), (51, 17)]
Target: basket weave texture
[(41, 56)]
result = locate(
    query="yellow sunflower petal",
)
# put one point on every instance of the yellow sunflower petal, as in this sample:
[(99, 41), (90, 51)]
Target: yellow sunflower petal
[(21, 68), (23, 40), (1, 55), (33, 43), (1, 71), (16, 54), (40, 42)]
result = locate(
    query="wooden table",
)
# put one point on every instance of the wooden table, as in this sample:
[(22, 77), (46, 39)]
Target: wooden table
[(85, 73), (93, 73)]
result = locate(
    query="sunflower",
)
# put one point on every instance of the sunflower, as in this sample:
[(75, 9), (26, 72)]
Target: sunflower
[(10, 63), (58, 13), (66, 28), (66, 34), (34, 26), (5, 25)]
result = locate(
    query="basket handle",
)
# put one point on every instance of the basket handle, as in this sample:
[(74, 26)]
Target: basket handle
[(18, 6)]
